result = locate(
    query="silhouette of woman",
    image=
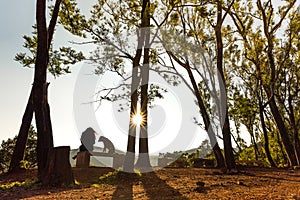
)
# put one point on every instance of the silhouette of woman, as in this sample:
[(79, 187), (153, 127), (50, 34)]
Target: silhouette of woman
[(87, 141)]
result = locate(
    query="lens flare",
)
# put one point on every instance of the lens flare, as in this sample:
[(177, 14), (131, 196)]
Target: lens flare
[(138, 117)]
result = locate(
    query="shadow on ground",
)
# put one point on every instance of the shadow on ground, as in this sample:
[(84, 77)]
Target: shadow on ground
[(154, 187)]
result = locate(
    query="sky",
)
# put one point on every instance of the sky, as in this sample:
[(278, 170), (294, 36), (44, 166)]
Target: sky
[(69, 94), (16, 20)]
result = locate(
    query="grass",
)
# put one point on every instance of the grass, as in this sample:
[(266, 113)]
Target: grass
[(117, 176), (14, 185)]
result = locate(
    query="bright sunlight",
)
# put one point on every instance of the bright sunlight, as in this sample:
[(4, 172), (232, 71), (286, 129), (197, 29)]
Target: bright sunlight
[(138, 118)]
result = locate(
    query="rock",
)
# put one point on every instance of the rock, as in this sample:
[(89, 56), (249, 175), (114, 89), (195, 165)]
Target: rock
[(200, 184)]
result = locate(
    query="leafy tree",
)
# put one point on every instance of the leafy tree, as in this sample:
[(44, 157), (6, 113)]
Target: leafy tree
[(28, 161), (43, 58), (180, 29), (262, 59), (109, 30)]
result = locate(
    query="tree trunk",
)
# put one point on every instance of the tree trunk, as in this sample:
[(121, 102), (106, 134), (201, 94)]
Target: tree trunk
[(229, 157), (269, 86), (40, 85), (43, 123), (18, 154), (265, 132), (281, 148), (36, 98), (211, 134), (282, 129), (143, 161), (253, 141), (58, 171), (294, 127), (128, 164)]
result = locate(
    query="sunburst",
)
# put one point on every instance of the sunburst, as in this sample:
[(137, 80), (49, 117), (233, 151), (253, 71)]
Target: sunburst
[(138, 118)]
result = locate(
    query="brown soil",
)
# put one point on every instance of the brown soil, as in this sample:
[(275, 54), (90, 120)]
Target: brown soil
[(168, 183)]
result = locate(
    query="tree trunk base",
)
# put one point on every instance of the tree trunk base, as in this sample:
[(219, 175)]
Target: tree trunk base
[(83, 159), (58, 171)]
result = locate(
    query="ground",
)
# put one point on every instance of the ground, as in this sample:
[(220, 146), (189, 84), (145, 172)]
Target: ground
[(167, 183)]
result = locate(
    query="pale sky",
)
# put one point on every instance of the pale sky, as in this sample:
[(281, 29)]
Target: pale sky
[(16, 19)]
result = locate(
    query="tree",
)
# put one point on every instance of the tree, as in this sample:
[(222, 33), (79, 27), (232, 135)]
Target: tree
[(183, 22), (269, 32), (29, 159), (43, 58), (229, 157), (262, 51), (143, 161), (115, 50)]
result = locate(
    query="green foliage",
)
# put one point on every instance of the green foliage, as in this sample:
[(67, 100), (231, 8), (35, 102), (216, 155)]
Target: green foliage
[(59, 60), (7, 148), (6, 151), (247, 155), (185, 160), (71, 19), (14, 185), (62, 59), (117, 177)]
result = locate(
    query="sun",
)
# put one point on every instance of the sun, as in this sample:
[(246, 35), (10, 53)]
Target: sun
[(138, 118)]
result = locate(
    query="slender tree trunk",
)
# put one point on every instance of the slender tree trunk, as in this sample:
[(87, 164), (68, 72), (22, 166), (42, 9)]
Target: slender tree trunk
[(143, 159), (229, 157), (253, 141), (20, 146), (40, 85), (128, 164), (294, 128), (45, 140), (211, 134), (282, 129), (283, 152), (265, 132)]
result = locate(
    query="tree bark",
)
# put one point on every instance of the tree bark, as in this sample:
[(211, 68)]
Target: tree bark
[(229, 157), (296, 140), (143, 161), (58, 171), (265, 132), (288, 146), (253, 141), (44, 142), (40, 85), (19, 150), (128, 164), (211, 134)]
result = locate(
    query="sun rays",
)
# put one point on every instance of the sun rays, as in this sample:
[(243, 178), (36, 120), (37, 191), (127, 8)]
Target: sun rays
[(138, 118)]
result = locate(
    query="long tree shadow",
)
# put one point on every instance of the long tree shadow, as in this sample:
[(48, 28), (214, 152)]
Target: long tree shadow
[(124, 188), (157, 188)]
